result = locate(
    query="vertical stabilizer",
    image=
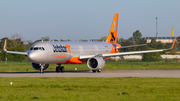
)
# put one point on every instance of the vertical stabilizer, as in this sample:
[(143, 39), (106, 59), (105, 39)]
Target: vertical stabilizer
[(112, 37)]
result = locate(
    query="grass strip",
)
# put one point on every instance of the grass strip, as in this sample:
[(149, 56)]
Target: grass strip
[(110, 65), (90, 89)]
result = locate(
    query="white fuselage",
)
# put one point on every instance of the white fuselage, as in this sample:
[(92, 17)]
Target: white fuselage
[(60, 52)]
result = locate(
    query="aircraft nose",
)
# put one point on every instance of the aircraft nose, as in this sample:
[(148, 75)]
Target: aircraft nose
[(31, 57)]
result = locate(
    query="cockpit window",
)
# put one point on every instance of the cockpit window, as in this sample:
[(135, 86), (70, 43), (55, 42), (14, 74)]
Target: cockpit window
[(37, 48), (40, 48)]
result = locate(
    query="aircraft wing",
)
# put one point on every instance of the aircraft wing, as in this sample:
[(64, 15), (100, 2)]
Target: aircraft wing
[(132, 53), (126, 53), (13, 52), (122, 53), (131, 46)]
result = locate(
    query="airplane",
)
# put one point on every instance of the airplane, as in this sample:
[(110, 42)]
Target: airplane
[(41, 54)]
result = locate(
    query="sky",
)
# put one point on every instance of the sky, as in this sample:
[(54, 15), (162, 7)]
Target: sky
[(87, 19)]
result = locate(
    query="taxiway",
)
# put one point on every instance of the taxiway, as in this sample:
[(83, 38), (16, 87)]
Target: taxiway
[(123, 73)]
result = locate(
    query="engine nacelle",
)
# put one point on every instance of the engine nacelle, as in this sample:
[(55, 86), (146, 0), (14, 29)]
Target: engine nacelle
[(38, 67), (96, 63)]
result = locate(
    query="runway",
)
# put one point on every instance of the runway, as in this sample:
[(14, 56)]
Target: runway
[(123, 73)]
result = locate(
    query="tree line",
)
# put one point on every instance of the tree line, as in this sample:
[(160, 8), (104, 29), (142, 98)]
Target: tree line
[(16, 43)]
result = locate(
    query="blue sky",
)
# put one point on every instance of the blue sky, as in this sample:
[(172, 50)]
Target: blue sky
[(87, 19)]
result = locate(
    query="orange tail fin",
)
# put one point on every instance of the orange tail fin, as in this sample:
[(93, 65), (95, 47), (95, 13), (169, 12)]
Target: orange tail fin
[(112, 37)]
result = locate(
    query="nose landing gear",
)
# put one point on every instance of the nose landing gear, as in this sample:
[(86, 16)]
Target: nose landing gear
[(42, 68)]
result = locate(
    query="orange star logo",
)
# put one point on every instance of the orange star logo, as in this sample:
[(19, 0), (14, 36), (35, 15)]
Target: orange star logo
[(68, 48)]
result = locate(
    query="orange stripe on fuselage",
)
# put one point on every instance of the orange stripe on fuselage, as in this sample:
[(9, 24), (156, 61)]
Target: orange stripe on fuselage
[(74, 60)]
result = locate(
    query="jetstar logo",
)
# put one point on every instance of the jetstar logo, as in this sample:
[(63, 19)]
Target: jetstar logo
[(60, 48), (112, 33), (68, 48), (112, 36)]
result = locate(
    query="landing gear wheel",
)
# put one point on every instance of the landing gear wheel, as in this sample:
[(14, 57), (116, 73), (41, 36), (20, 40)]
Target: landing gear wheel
[(57, 69), (98, 71), (62, 69), (94, 71)]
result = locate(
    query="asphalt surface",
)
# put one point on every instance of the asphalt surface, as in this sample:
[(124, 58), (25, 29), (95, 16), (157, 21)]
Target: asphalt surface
[(123, 73)]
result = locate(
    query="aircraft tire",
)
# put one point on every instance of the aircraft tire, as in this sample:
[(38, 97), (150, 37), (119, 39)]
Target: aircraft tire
[(94, 71), (62, 69), (98, 71), (57, 69)]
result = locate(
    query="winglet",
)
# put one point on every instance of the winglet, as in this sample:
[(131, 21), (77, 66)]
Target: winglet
[(5, 45), (173, 43)]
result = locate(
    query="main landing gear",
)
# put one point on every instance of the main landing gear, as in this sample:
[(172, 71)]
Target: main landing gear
[(94, 71), (59, 68)]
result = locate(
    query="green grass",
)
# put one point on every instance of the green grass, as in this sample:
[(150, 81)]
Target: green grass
[(90, 89), (16, 66)]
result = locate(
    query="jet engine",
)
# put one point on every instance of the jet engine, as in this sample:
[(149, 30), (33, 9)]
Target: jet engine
[(96, 63), (38, 67)]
